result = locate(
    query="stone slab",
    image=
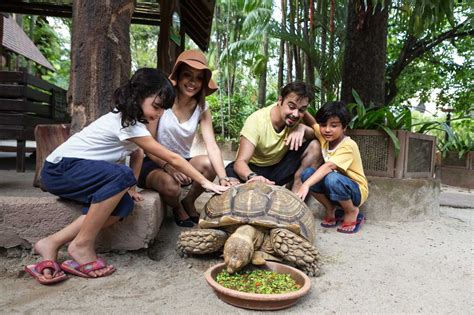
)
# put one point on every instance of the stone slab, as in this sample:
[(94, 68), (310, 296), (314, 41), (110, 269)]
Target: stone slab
[(455, 176), (397, 200), (25, 220)]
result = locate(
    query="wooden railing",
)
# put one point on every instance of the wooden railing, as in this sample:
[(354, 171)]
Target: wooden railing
[(26, 101)]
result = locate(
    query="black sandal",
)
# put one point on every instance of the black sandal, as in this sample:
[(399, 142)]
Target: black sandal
[(184, 223), (193, 218)]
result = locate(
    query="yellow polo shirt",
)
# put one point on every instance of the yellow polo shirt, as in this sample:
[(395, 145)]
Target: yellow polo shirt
[(270, 145)]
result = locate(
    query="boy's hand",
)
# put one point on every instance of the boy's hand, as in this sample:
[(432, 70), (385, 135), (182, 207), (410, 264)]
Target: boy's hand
[(303, 191)]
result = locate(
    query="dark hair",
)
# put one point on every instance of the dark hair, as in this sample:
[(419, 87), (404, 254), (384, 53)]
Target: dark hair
[(200, 97), (144, 83), (301, 89), (333, 109)]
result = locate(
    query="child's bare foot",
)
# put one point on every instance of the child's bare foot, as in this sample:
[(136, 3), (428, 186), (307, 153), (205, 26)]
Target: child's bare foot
[(330, 220), (48, 251), (84, 254), (352, 221)]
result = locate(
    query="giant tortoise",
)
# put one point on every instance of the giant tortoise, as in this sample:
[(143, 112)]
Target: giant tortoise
[(255, 222)]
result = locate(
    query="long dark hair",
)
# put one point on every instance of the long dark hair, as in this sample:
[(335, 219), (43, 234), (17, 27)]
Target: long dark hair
[(144, 83)]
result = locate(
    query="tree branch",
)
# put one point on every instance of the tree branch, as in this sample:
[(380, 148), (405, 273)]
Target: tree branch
[(413, 49)]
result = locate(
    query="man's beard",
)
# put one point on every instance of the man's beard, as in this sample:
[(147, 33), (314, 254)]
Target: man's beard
[(292, 118)]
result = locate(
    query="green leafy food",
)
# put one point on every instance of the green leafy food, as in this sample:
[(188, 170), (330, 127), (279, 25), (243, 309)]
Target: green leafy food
[(258, 281)]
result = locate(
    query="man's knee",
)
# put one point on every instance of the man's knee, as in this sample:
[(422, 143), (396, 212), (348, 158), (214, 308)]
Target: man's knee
[(312, 152)]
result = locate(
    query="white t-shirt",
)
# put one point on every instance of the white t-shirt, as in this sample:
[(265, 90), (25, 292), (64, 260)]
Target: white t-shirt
[(178, 137), (103, 140)]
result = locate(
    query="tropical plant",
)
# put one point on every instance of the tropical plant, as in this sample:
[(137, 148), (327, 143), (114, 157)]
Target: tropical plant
[(389, 119), (459, 143), (241, 107)]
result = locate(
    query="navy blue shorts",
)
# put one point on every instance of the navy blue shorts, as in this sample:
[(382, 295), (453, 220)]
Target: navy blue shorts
[(335, 186), (281, 173), (148, 166), (89, 181)]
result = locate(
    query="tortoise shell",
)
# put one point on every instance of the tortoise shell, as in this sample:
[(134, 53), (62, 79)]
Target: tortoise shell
[(260, 205)]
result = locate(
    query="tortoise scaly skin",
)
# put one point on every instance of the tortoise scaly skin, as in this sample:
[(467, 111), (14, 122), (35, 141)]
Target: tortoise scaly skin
[(281, 226)]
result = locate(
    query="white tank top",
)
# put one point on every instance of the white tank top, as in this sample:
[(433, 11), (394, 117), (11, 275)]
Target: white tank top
[(178, 137)]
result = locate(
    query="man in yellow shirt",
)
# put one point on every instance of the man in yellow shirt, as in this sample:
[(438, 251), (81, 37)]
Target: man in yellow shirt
[(265, 152)]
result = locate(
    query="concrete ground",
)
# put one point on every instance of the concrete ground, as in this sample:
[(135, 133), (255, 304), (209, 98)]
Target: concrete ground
[(388, 267)]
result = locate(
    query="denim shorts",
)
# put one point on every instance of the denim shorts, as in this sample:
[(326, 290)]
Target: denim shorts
[(335, 186), (281, 173), (89, 181)]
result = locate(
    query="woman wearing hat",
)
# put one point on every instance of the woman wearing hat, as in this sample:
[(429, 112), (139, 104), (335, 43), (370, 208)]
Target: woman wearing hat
[(176, 129)]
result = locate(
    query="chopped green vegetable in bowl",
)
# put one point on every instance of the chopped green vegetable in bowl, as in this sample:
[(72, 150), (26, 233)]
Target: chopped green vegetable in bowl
[(258, 281)]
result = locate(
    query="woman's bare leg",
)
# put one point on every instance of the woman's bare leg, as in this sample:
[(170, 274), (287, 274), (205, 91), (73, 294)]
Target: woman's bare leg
[(169, 190), (203, 165)]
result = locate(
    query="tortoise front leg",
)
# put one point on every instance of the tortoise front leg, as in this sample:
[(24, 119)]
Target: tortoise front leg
[(296, 250), (200, 241)]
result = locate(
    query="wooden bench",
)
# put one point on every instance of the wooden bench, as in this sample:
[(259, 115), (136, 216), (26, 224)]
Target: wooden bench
[(25, 102)]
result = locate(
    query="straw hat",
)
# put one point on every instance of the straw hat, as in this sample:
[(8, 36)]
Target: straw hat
[(196, 60)]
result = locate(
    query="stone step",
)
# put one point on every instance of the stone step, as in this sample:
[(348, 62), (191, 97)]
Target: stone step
[(25, 220)]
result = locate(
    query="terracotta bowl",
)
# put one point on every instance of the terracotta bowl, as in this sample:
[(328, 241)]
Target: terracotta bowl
[(260, 301)]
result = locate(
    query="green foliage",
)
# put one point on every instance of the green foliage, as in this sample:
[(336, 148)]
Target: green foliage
[(143, 43), (389, 119), (461, 139), (241, 107), (52, 37), (461, 143), (443, 74)]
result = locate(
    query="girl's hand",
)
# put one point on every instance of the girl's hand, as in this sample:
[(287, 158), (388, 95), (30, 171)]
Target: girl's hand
[(295, 139), (260, 178), (136, 196), (303, 192), (210, 186), (177, 175)]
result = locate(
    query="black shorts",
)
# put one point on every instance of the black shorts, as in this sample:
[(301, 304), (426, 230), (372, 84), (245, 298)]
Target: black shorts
[(281, 173)]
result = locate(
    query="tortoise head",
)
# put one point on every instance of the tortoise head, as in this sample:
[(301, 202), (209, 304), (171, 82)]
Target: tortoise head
[(238, 253)]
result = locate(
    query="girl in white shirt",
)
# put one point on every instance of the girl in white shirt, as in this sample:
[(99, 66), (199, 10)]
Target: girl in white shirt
[(176, 130), (84, 169)]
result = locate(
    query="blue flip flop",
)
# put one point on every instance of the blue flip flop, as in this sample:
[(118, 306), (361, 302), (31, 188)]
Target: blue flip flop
[(357, 225)]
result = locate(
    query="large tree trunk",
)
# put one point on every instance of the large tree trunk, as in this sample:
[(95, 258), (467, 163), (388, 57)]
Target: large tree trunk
[(365, 53), (100, 56)]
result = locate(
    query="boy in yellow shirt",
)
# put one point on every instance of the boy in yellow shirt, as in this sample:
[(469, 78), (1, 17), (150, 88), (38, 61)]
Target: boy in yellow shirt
[(340, 180)]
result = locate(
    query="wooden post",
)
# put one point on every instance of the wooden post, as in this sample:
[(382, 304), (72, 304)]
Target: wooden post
[(168, 50), (100, 57)]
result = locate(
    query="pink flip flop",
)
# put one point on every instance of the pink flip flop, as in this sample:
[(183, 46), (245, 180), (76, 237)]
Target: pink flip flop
[(83, 270), (36, 271)]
